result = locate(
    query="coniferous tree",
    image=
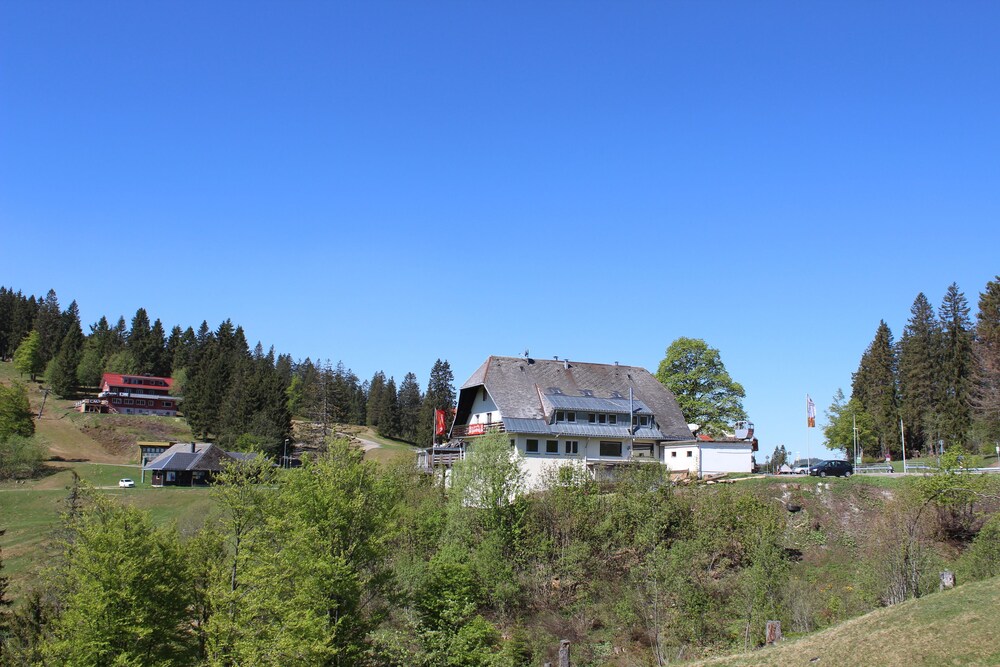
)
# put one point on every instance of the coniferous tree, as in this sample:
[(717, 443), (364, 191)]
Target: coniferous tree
[(376, 389), (956, 331), (409, 408), (142, 344), (920, 360), (17, 317), (61, 371), (159, 359), (49, 325), (388, 411), (440, 395), (96, 350), (119, 335), (986, 392), (874, 385), (185, 351)]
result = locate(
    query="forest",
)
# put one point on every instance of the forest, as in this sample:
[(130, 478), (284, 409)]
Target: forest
[(940, 379), (240, 397)]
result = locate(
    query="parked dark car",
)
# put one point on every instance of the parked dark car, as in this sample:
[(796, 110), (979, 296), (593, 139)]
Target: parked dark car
[(832, 469)]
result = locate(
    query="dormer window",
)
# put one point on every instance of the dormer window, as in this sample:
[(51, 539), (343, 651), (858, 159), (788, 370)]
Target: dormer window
[(571, 416), (613, 420)]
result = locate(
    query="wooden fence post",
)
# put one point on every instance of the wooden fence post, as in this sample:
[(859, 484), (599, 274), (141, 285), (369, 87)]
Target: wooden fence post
[(564, 653)]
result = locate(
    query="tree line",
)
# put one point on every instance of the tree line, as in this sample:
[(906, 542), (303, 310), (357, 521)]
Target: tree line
[(941, 378), (239, 396)]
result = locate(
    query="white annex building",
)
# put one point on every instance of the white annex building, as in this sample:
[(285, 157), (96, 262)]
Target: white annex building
[(559, 412)]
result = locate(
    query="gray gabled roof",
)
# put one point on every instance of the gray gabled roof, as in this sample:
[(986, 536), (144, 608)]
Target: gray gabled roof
[(192, 456), (530, 389)]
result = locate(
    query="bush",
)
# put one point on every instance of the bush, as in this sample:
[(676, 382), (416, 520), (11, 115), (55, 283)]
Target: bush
[(20, 457)]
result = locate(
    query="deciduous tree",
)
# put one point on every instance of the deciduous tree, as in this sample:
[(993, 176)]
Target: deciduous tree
[(15, 411), (707, 395), (28, 357)]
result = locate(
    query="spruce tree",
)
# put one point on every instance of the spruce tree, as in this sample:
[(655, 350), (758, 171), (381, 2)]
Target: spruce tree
[(440, 395), (159, 359), (986, 392), (49, 325), (874, 385), (409, 408), (920, 361), (388, 411), (957, 368), (376, 388), (61, 371)]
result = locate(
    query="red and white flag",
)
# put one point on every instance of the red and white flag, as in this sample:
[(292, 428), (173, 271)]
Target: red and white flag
[(439, 428), (810, 413)]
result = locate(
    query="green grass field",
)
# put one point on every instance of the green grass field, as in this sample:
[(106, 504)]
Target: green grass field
[(956, 627)]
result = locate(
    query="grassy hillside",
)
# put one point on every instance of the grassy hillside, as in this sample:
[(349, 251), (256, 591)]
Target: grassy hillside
[(72, 436), (956, 627)]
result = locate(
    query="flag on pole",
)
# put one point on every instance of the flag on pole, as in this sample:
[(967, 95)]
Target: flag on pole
[(439, 422), (810, 413)]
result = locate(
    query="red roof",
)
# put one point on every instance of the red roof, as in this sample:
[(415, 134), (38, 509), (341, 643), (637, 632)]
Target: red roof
[(118, 380)]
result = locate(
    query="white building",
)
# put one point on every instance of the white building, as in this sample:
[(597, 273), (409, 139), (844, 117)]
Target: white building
[(598, 416)]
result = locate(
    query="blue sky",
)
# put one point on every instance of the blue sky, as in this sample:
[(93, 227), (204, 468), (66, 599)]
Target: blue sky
[(387, 183)]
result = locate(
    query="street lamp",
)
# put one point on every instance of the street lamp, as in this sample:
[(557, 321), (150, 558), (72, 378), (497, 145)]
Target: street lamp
[(284, 458)]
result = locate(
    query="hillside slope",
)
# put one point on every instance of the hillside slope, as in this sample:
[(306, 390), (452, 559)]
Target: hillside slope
[(956, 627)]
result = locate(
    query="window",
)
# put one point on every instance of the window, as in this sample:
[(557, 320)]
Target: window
[(168, 404), (116, 401), (673, 455), (128, 401), (551, 446), (612, 419), (560, 416), (689, 454), (592, 418), (571, 416), (513, 443), (572, 447), (602, 419), (531, 447), (484, 394), (611, 448), (644, 420)]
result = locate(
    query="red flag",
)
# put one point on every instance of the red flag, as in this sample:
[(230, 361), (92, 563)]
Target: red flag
[(439, 422)]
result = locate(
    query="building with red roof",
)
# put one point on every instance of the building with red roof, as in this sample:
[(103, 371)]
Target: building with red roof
[(133, 395)]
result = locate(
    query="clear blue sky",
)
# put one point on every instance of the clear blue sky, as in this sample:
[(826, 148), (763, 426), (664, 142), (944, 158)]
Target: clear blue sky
[(392, 182)]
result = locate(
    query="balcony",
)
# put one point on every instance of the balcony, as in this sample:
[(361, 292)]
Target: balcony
[(473, 430)]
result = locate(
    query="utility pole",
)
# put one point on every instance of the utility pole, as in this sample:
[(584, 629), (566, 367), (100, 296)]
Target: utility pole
[(44, 396)]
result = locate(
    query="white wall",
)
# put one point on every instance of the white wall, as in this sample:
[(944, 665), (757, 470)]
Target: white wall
[(721, 457), (483, 411)]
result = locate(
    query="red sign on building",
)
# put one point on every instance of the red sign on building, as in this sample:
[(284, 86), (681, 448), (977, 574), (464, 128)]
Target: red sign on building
[(476, 429)]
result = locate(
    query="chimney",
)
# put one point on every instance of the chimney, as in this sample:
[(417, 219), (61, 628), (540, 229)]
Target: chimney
[(566, 364), (192, 448)]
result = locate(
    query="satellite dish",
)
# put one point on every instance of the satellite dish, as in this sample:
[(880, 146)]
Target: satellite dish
[(744, 430)]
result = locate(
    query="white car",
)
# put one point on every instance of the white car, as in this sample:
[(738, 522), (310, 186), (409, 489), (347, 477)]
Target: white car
[(126, 483), (801, 469)]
